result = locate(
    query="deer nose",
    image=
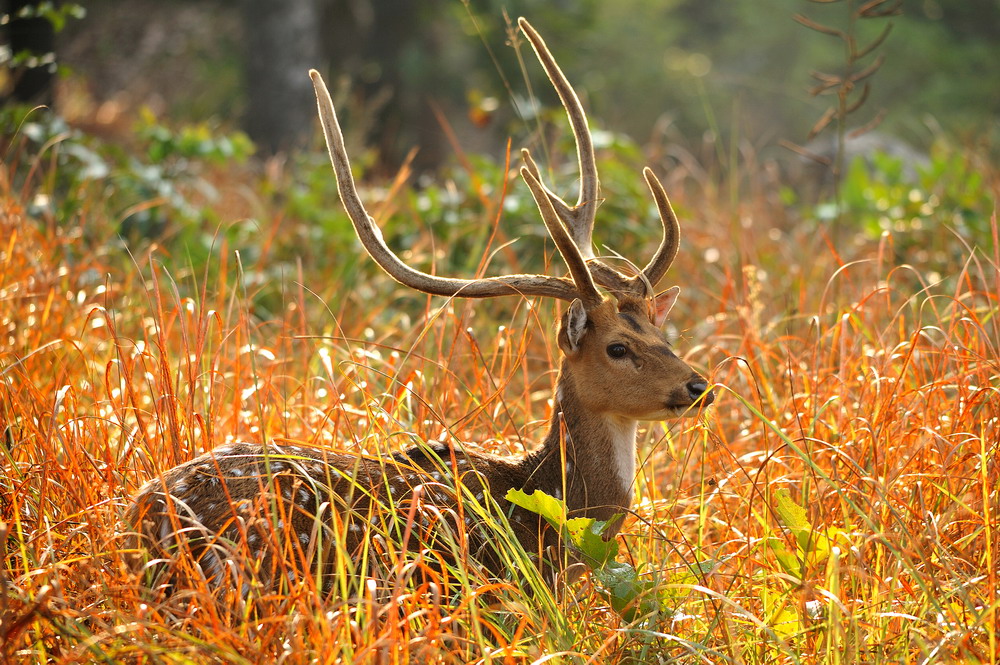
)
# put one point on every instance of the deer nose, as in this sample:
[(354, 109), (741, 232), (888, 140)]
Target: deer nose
[(699, 392)]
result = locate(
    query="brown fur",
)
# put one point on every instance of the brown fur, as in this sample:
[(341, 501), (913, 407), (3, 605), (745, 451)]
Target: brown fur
[(270, 497), (307, 507)]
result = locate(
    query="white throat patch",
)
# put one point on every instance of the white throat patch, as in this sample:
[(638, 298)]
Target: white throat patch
[(623, 447)]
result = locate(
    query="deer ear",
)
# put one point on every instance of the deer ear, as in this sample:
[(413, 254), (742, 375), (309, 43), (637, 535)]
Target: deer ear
[(663, 303), (574, 325)]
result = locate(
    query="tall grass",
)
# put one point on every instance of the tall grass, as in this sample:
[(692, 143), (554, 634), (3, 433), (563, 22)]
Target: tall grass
[(837, 505)]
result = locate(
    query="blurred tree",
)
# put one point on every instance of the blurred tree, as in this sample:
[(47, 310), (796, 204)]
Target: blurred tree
[(31, 37), (282, 43), (671, 71), (420, 69), (391, 52)]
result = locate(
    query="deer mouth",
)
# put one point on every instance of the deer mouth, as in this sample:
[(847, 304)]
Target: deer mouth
[(691, 408), (686, 411)]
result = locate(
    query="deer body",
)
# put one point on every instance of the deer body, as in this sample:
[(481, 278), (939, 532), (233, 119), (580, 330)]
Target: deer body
[(617, 370)]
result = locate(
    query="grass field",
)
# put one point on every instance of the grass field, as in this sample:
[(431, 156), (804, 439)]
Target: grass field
[(838, 504)]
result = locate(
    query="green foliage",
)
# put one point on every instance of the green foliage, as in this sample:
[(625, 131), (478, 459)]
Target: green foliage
[(630, 595), (813, 546), (162, 195), (311, 197), (79, 159), (198, 141), (805, 564), (58, 14), (883, 193)]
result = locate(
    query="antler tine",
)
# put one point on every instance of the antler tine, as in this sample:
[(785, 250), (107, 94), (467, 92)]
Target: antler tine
[(371, 236), (665, 253), (579, 219), (603, 274), (564, 242)]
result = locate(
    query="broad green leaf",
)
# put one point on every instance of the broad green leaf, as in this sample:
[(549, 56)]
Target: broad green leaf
[(780, 615), (587, 535), (788, 561), (629, 595), (551, 508), (793, 517)]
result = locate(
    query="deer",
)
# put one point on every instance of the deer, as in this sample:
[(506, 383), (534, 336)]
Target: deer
[(616, 370)]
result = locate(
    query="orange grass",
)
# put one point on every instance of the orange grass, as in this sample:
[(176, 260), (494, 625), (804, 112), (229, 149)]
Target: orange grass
[(845, 378)]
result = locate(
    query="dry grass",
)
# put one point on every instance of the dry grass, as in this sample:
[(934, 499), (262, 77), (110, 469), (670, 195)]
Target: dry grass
[(868, 394)]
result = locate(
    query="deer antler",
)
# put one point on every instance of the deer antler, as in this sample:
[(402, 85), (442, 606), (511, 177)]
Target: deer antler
[(582, 285), (579, 219)]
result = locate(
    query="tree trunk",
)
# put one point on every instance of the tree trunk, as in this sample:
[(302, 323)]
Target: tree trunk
[(35, 36), (282, 44)]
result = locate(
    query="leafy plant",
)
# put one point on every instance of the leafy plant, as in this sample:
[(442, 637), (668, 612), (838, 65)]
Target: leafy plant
[(163, 196), (882, 193), (629, 594), (56, 13), (199, 141), (812, 545)]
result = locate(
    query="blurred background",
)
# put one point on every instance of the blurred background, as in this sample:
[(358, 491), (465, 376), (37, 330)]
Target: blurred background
[(413, 72), (176, 124)]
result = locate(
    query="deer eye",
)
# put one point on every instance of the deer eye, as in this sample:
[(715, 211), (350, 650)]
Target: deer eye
[(617, 350)]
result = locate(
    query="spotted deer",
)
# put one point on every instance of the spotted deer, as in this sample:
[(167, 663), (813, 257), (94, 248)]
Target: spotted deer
[(617, 369)]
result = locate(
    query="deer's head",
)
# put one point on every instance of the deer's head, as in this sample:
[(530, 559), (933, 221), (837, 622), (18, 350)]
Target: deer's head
[(620, 361), (616, 354)]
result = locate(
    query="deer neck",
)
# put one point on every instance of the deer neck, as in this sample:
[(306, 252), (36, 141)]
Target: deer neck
[(587, 459)]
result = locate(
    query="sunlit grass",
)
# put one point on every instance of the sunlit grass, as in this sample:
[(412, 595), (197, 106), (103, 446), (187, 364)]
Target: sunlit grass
[(848, 385)]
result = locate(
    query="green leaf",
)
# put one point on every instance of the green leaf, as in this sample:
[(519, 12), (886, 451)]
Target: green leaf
[(780, 614), (628, 595), (552, 509), (788, 561), (587, 535), (793, 517)]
